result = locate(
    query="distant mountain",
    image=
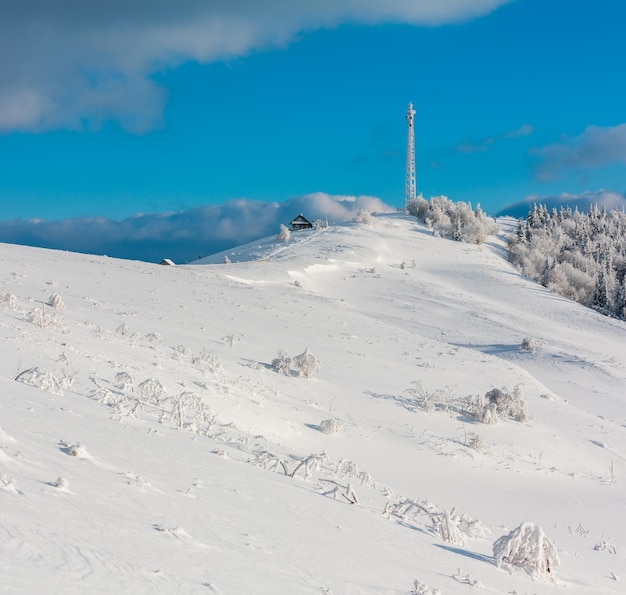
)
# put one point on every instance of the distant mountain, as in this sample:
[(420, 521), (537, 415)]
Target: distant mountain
[(582, 202)]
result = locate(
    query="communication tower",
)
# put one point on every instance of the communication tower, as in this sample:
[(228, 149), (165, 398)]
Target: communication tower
[(409, 181)]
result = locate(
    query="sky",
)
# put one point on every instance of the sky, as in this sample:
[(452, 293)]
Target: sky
[(117, 114)]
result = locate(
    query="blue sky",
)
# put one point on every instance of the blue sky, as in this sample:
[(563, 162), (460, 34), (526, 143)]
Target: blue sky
[(111, 110)]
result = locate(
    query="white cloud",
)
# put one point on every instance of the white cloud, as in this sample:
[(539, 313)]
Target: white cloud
[(73, 61), (595, 147), (183, 236)]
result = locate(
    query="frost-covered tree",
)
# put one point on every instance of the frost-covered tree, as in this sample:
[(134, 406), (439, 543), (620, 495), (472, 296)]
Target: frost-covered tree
[(282, 363), (527, 548), (56, 301), (284, 234), (581, 256), (306, 364), (453, 220), (363, 217)]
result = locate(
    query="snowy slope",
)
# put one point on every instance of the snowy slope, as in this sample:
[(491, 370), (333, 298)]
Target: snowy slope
[(158, 379)]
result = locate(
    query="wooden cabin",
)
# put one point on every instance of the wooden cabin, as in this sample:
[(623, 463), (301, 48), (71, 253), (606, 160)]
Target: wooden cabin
[(300, 222)]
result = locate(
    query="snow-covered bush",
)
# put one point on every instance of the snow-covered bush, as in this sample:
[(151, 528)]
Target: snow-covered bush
[(330, 426), (498, 403), (41, 379), (284, 234), (152, 391), (423, 399), (456, 528), (306, 365), (603, 546), (528, 344), (526, 548), (509, 404), (124, 382), (307, 466), (123, 329), (447, 528), (154, 338), (207, 362), (61, 484), (8, 300), (420, 588), (363, 217), (56, 301), (42, 318), (282, 363)]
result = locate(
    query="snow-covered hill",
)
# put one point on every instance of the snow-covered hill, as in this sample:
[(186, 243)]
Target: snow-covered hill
[(148, 446)]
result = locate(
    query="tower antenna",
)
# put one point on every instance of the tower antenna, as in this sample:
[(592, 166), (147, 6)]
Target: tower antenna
[(409, 181)]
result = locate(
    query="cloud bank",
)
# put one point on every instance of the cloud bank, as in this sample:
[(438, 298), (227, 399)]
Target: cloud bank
[(596, 147), (186, 235), (582, 202), (76, 64)]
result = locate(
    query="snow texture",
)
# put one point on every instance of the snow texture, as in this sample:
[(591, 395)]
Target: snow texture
[(147, 444)]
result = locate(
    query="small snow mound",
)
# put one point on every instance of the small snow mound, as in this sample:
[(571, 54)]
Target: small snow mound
[(8, 485), (74, 450)]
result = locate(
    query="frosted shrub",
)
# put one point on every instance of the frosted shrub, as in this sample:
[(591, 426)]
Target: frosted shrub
[(284, 234), (189, 412), (447, 528), (123, 329), (207, 362), (154, 338), (306, 364), (56, 301), (423, 399), (61, 483), (152, 391), (8, 300), (363, 217), (498, 403), (512, 405), (41, 379), (42, 318), (306, 467), (124, 382), (455, 528), (526, 548), (282, 363), (528, 344), (420, 588), (331, 426)]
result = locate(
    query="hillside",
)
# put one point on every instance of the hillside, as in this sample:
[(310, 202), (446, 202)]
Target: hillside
[(159, 381)]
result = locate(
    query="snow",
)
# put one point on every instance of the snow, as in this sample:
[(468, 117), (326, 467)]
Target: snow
[(149, 447)]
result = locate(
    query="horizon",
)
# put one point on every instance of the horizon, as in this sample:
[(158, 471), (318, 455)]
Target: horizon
[(242, 113)]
